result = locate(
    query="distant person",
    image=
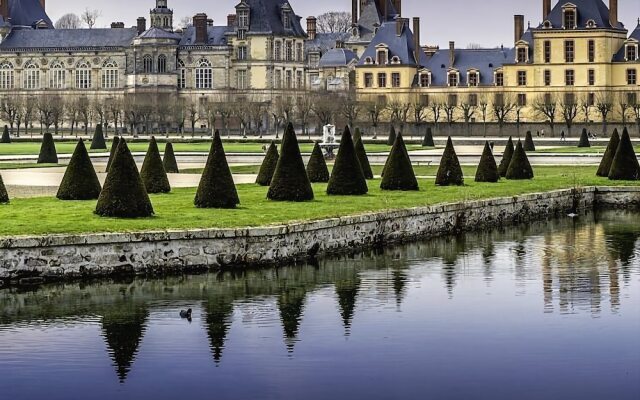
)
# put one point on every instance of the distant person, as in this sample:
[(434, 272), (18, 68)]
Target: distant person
[(542, 133), (562, 137), (538, 133)]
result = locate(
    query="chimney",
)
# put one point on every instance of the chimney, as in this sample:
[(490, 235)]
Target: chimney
[(613, 13), (546, 9), (397, 4), (311, 28), (452, 54), (416, 40), (4, 8), (200, 23), (43, 4), (231, 20), (399, 26), (354, 12), (142, 25), (385, 11), (518, 26), (117, 25)]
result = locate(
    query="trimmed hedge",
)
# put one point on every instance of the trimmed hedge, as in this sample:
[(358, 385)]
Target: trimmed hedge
[(152, 173), (427, 141), (450, 172), (399, 174), (487, 169), (584, 139), (112, 153), (169, 161), (392, 136), (4, 196), (98, 142), (80, 181), (528, 142), (317, 170), (290, 181), (506, 158), (123, 194), (363, 159), (347, 178), (519, 168), (48, 154), (6, 138), (217, 189), (624, 166), (268, 166), (609, 154)]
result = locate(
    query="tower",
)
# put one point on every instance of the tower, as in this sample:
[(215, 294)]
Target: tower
[(162, 16)]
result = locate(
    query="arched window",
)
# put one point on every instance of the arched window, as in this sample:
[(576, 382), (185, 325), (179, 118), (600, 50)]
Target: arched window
[(162, 64), (31, 76), (6, 75), (204, 75), (147, 64), (110, 75), (57, 76), (182, 75), (83, 75)]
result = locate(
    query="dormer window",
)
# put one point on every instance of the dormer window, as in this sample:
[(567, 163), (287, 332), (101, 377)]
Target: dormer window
[(424, 78), (547, 24), (453, 78), (355, 32), (286, 16), (382, 55), (473, 78), (499, 78), (368, 61), (569, 16), (631, 52), (242, 10), (591, 23), (395, 60), (522, 55)]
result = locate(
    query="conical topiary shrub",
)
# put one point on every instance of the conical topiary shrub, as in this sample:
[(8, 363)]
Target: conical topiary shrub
[(624, 166), (112, 153), (290, 181), (399, 174), (347, 178), (152, 173), (450, 172), (519, 168), (317, 170), (98, 139), (48, 154), (357, 135), (506, 158), (268, 166), (123, 194), (363, 159), (528, 142), (80, 181), (609, 154), (487, 169), (169, 161), (584, 139), (427, 141), (6, 138), (217, 189), (4, 196), (392, 136)]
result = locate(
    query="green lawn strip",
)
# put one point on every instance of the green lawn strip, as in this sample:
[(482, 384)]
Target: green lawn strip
[(27, 165), (176, 210), (578, 150), (67, 147)]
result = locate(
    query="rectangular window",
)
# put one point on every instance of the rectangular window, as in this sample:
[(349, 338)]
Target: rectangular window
[(299, 52), (242, 34), (522, 99), (592, 51), (547, 51), (424, 100), (288, 79), (522, 78), (6, 76), (591, 100), (547, 98), (569, 51), (277, 51), (473, 100), (569, 19), (499, 79), (473, 79), (57, 78), (632, 77), (499, 99), (182, 78), (522, 54), (314, 59), (424, 80), (299, 82), (381, 57), (289, 51), (242, 53), (452, 100), (110, 78), (243, 19), (569, 99), (31, 77), (83, 78), (204, 77), (368, 80), (382, 80), (453, 79), (632, 52), (277, 79), (242, 79), (395, 79), (591, 77), (569, 77), (547, 77), (632, 99)]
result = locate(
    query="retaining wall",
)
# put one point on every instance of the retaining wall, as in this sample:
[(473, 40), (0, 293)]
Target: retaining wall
[(34, 259)]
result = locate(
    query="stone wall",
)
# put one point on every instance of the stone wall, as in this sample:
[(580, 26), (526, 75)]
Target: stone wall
[(34, 259)]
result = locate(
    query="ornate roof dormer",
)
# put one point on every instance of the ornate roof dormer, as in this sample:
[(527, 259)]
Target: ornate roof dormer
[(162, 16)]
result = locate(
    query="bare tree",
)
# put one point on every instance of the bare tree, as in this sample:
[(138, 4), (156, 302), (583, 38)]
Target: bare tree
[(585, 107), (72, 113), (45, 111), (374, 108), (324, 108), (623, 106), (57, 113), (303, 109), (502, 106), (350, 107), (90, 17), (259, 111), (635, 106), (185, 22), (334, 21), (85, 111), (468, 106), (69, 21), (419, 108), (192, 114), (29, 108), (546, 106), (483, 106), (101, 111), (10, 108), (569, 109), (449, 107), (435, 107), (604, 105), (115, 111)]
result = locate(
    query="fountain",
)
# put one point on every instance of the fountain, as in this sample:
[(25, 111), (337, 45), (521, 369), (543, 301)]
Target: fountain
[(329, 144)]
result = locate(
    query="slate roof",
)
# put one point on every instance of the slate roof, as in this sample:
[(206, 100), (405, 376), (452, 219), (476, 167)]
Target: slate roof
[(34, 39), (216, 36), (27, 13), (265, 17), (400, 46), (370, 17), (484, 60), (587, 10), (159, 33), (326, 41), (337, 58), (619, 56)]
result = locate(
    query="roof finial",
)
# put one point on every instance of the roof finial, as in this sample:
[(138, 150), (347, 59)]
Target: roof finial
[(529, 24)]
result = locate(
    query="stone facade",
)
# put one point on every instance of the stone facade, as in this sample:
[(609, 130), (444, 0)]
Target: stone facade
[(57, 257)]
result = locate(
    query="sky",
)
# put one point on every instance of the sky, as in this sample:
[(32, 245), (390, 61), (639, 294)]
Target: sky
[(490, 24)]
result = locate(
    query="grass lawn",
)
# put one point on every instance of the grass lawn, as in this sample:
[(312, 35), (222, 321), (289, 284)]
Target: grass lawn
[(176, 210), (580, 150), (26, 165), (203, 147), (419, 170)]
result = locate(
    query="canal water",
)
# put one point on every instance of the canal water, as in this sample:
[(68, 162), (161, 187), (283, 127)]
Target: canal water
[(543, 311)]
